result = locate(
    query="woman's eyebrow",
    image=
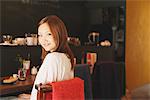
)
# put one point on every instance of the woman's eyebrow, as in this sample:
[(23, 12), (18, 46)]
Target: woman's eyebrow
[(43, 32)]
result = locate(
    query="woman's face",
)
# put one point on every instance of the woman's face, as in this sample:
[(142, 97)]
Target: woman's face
[(46, 38)]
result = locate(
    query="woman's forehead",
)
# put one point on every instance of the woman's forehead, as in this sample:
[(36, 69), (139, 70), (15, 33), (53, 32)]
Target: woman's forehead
[(44, 28)]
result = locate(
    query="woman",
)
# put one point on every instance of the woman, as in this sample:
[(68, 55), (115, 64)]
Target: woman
[(58, 57)]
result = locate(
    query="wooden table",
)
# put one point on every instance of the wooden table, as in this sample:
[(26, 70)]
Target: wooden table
[(19, 86)]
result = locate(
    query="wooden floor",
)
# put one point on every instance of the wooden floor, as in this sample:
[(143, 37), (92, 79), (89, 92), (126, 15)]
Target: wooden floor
[(127, 96), (141, 93)]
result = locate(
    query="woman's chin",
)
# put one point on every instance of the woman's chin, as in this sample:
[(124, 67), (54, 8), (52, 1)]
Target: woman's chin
[(46, 49)]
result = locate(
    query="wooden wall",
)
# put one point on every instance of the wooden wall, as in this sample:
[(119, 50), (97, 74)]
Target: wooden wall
[(137, 43), (18, 17)]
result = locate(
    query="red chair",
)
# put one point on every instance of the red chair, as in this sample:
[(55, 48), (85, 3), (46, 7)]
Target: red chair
[(72, 89)]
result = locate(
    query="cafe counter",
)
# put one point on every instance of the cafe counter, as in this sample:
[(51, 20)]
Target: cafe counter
[(9, 64), (17, 87)]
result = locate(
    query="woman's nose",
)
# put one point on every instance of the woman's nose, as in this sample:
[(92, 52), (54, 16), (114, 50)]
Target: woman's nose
[(44, 39)]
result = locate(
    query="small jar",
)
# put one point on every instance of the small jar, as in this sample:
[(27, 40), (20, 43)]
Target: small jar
[(34, 70)]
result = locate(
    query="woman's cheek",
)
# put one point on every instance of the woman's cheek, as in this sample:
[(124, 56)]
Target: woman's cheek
[(40, 40)]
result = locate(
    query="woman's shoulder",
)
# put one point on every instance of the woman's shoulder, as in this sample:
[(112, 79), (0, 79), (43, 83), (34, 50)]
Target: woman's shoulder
[(54, 55), (50, 58)]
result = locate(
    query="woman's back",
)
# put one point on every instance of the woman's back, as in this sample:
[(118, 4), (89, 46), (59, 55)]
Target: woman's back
[(58, 67), (55, 67)]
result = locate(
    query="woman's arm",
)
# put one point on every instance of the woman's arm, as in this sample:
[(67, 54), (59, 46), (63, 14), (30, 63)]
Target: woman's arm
[(45, 74), (40, 78)]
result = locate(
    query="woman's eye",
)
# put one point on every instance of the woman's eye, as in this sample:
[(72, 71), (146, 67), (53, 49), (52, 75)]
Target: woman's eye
[(49, 34)]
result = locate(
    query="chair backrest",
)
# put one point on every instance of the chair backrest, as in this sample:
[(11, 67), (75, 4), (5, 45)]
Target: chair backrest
[(62, 90), (108, 80), (83, 71)]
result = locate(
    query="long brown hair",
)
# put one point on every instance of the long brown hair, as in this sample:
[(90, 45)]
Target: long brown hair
[(60, 34)]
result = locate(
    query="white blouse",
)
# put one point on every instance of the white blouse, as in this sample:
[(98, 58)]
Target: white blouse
[(55, 67)]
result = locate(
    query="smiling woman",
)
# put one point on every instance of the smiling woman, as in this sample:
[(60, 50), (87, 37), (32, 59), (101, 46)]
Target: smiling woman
[(58, 57), (46, 37)]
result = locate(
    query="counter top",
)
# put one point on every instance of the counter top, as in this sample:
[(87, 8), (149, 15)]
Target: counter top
[(19, 86)]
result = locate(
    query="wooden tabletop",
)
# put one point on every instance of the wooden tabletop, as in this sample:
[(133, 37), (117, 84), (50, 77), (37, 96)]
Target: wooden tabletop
[(18, 86)]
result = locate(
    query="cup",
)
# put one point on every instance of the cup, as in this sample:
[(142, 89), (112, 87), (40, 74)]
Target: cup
[(20, 41), (22, 74), (26, 64), (14, 41), (15, 75), (29, 40), (35, 40)]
